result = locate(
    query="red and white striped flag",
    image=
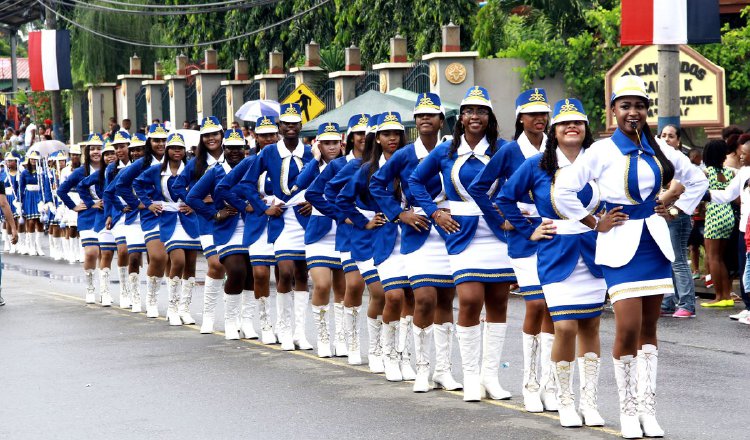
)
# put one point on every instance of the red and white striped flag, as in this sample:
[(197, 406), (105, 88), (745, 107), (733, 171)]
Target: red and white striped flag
[(670, 22), (49, 60)]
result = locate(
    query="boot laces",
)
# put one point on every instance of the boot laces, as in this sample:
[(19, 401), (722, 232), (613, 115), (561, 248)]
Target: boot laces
[(323, 335), (648, 397), (589, 390), (533, 382), (566, 396), (422, 363), (629, 403), (354, 332)]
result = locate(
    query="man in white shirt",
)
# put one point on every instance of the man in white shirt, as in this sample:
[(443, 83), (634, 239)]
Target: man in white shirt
[(30, 134)]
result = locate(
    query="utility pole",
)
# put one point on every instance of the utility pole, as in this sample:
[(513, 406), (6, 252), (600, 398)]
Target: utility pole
[(55, 96), (13, 61), (669, 85)]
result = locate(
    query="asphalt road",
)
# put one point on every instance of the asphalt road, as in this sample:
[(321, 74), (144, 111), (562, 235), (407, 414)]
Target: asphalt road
[(71, 371)]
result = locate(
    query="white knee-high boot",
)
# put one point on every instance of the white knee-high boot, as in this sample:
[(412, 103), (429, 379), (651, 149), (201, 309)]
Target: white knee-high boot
[(405, 337), (211, 291), (648, 357), (104, 287), (531, 389), (247, 327), (90, 289), (563, 372), (231, 314), (588, 371), (301, 301), (173, 315), (321, 329), (391, 357), (469, 344), (125, 297), (284, 320), (494, 340), (267, 336), (374, 350), (38, 236), (186, 298), (351, 326), (339, 347), (422, 345), (547, 385), (135, 292), (443, 376), (626, 374), (153, 286)]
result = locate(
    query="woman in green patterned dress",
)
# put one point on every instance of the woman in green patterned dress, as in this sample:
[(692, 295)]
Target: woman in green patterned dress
[(719, 223)]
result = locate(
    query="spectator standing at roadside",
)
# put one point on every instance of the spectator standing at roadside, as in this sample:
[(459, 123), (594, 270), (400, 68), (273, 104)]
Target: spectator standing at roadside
[(29, 134), (682, 303)]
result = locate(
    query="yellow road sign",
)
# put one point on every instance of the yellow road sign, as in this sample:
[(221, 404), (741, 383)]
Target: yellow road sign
[(311, 106)]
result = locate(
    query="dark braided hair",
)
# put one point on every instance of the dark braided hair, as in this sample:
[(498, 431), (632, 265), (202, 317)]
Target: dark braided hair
[(549, 157), (491, 133), (714, 154)]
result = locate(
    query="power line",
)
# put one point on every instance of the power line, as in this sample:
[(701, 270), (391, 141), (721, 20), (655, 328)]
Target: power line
[(242, 4), (182, 46), (146, 5)]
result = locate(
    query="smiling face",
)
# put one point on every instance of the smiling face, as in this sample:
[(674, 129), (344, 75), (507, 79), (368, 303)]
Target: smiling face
[(475, 119), (358, 139), (329, 150), (630, 111), (95, 153), (534, 123), (389, 140), (121, 150), (234, 154), (261, 140), (428, 124), (158, 146), (109, 157), (212, 141), (136, 152), (176, 153), (290, 130), (570, 133)]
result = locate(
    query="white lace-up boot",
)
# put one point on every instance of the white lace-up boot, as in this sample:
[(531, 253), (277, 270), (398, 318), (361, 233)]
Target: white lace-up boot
[(211, 291), (125, 301), (173, 314), (321, 329), (153, 285), (267, 336), (340, 347), (391, 357), (135, 292), (351, 326), (374, 350), (494, 340), (231, 314), (38, 236), (647, 362), (588, 373), (247, 326), (90, 289), (547, 384), (422, 343), (104, 287), (442, 376), (531, 389), (626, 374), (405, 338), (186, 298), (469, 344), (301, 301), (563, 372), (284, 305)]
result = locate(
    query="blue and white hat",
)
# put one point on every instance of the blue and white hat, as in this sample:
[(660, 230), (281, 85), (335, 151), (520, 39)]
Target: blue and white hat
[(210, 124), (532, 101), (390, 121), (33, 155), (138, 140), (372, 123), (235, 137), (629, 85), (12, 155), (75, 149), (329, 131), (157, 131), (357, 123), (428, 103), (569, 109), (95, 139), (108, 147), (265, 125), (59, 156), (175, 140), (121, 137), (290, 113), (477, 96)]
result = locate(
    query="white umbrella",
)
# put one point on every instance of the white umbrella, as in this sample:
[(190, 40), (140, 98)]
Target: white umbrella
[(45, 148), (252, 110), (192, 137)]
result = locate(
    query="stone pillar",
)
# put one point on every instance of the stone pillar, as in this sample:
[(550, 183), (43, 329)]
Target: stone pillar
[(235, 89), (181, 61), (345, 81), (312, 54), (176, 85), (130, 85), (275, 62), (101, 105), (241, 69), (76, 121), (398, 49), (269, 82), (207, 82), (135, 65), (451, 38), (158, 71), (451, 73), (154, 108), (392, 73), (311, 71), (210, 59)]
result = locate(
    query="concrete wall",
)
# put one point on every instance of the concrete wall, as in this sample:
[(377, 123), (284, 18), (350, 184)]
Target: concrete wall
[(503, 81)]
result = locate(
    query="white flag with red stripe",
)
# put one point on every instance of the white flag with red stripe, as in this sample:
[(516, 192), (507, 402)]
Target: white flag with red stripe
[(49, 60)]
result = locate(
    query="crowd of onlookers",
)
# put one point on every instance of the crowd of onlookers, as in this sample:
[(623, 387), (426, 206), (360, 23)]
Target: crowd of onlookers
[(710, 243)]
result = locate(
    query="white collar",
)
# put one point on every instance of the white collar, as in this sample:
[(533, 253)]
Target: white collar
[(562, 160), (381, 161), (527, 149), (350, 156), (210, 161), (419, 149), (121, 164), (480, 149), (284, 151), (154, 159), (168, 171), (92, 170)]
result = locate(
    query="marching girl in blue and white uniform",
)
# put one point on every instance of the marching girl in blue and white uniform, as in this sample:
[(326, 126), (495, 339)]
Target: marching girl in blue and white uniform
[(54, 162), (208, 154), (289, 214), (425, 257), (346, 309), (91, 190), (72, 243), (357, 204), (228, 234), (573, 284), (631, 167), (125, 222), (532, 119), (260, 250), (322, 258), (86, 218), (149, 222), (114, 215), (11, 193), (476, 247), (34, 194), (178, 225)]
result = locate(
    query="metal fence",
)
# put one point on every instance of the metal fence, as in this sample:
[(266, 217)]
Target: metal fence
[(141, 115), (286, 87), (417, 79), (219, 104), (166, 113), (369, 81), (191, 103), (252, 92), (327, 94)]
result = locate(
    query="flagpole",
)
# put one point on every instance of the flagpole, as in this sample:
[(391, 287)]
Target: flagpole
[(55, 96), (669, 85)]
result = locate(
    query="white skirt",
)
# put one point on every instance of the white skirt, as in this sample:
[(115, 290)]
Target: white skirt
[(429, 265), (106, 240), (70, 218), (180, 239), (261, 252), (207, 244), (347, 263), (392, 271), (484, 260), (234, 245), (290, 245), (89, 237), (527, 277), (134, 238), (323, 252), (368, 271), (118, 231), (579, 296)]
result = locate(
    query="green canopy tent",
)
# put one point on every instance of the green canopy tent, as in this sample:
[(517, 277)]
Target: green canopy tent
[(398, 100)]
